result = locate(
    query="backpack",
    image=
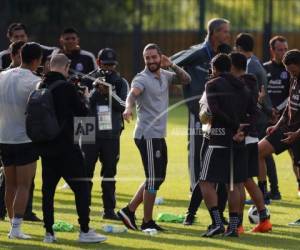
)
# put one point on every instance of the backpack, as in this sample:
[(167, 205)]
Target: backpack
[(41, 121)]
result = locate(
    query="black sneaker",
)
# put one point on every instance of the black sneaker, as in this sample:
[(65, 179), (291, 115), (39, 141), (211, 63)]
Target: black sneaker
[(274, 195), (111, 215), (128, 218), (189, 219), (151, 224), (213, 230), (31, 217), (231, 233)]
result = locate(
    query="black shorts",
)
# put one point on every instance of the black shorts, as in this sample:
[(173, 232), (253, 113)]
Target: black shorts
[(275, 140), (252, 159), (217, 165), (155, 158), (18, 154)]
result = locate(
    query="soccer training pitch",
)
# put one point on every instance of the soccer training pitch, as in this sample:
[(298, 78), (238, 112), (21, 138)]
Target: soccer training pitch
[(175, 192)]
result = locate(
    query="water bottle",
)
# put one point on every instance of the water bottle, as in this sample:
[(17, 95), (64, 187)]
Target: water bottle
[(114, 229), (159, 201), (150, 231)]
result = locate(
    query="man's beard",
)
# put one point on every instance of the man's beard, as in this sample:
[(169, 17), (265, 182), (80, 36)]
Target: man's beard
[(153, 69)]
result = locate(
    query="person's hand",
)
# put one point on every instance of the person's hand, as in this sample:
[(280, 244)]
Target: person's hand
[(275, 116), (165, 62), (270, 130), (86, 92), (261, 94), (127, 114), (291, 137), (239, 136), (104, 90)]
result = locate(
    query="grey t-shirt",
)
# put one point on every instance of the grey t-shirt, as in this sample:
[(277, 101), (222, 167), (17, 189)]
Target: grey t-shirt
[(15, 86), (152, 103)]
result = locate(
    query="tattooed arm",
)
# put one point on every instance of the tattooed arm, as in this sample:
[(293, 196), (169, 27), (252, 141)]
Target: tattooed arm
[(181, 76)]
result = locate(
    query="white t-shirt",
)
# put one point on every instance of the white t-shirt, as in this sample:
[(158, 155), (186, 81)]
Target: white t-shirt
[(15, 86)]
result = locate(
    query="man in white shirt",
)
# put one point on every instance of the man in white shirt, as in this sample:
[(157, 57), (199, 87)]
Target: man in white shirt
[(16, 149)]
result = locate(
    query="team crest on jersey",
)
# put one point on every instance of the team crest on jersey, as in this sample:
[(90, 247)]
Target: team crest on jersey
[(284, 75), (157, 154), (197, 125), (79, 67)]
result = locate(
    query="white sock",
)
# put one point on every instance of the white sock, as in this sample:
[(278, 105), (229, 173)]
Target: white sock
[(16, 224)]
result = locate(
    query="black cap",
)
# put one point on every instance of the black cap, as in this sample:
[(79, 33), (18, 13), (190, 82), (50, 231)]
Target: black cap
[(107, 56)]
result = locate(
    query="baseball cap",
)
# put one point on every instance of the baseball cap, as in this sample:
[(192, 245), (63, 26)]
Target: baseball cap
[(107, 56)]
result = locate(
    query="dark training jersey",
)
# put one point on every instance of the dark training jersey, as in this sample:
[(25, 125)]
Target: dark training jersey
[(228, 100), (82, 61), (5, 56), (291, 114), (278, 84)]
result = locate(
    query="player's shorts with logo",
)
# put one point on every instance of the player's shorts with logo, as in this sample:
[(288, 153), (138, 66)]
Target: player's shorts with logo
[(155, 158)]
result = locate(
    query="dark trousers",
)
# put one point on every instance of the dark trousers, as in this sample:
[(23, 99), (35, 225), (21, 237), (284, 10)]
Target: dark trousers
[(2, 196), (70, 166), (108, 152), (196, 144)]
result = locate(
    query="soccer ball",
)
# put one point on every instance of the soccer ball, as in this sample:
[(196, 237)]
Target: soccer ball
[(253, 214)]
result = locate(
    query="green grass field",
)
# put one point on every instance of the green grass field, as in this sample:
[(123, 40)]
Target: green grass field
[(175, 192)]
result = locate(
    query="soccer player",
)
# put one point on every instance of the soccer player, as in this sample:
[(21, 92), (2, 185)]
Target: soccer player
[(238, 69), (196, 61), (285, 134), (278, 90), (224, 160), (244, 44), (17, 151), (18, 32), (150, 92), (82, 61)]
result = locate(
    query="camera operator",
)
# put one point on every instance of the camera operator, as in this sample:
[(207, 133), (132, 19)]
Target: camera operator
[(61, 157), (107, 103)]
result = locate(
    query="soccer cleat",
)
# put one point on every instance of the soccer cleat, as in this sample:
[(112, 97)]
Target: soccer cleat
[(49, 238), (213, 230), (151, 225), (128, 218), (263, 227), (189, 219), (231, 233), (250, 202), (17, 234), (274, 195), (91, 237), (241, 229), (31, 217), (295, 223)]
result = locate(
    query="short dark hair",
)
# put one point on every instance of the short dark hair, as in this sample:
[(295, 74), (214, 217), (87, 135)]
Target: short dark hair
[(245, 41), (30, 51), (291, 57), (221, 62), (152, 46), (224, 48), (15, 47), (15, 26), (70, 30), (238, 60), (275, 39)]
